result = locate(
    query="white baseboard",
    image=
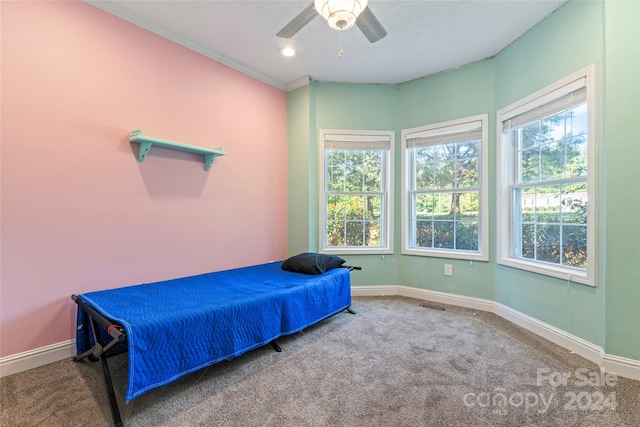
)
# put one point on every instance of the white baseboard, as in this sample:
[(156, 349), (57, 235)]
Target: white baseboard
[(624, 367), (564, 339), (445, 298), (373, 291), (621, 366), (38, 357)]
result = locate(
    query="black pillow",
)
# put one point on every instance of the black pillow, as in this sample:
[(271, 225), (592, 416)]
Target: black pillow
[(312, 263)]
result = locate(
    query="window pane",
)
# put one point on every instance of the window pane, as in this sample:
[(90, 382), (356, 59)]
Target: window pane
[(467, 236), (335, 163), (372, 171), (531, 135), (424, 206), (530, 165), (354, 171), (335, 179), (355, 233), (527, 197), (574, 245), (354, 207), (552, 160), (335, 158), (547, 200), (438, 215), (373, 207), (443, 204), (528, 241), (424, 168), (548, 242), (354, 220), (574, 204), (466, 172), (577, 156), (467, 149), (468, 206), (424, 176), (528, 214), (552, 128), (444, 177), (443, 234), (424, 234), (335, 233), (577, 120), (336, 207), (372, 233)]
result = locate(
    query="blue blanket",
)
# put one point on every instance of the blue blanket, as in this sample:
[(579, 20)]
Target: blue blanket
[(178, 326)]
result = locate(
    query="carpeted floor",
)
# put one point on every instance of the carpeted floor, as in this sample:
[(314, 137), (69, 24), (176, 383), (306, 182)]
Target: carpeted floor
[(398, 362)]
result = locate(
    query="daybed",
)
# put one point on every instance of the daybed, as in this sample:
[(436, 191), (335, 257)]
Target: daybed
[(175, 327)]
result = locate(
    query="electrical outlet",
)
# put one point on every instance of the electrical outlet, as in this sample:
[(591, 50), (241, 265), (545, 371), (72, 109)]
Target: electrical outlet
[(448, 270)]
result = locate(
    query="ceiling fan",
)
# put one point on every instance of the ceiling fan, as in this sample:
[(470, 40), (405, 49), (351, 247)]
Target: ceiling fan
[(340, 15)]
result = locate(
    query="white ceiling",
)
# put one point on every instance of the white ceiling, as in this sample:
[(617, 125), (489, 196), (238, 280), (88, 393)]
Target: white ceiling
[(424, 37)]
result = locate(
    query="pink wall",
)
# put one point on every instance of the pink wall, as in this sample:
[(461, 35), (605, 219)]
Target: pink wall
[(78, 212)]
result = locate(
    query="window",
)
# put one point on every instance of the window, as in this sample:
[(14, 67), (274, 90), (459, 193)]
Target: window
[(356, 170), (546, 181), (444, 206)]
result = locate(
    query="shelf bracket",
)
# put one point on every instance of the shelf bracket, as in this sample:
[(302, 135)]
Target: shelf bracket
[(208, 160), (147, 142), (144, 149)]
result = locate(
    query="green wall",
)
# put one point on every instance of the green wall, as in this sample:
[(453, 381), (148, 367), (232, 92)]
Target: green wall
[(621, 177), (465, 92), (580, 33), (565, 42), (300, 134), (371, 107)]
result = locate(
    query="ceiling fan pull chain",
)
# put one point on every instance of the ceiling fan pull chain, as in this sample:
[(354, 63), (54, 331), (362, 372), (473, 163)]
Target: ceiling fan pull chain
[(340, 51)]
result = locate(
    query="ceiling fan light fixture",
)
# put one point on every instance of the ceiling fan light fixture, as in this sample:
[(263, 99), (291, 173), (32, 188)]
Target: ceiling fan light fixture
[(340, 14)]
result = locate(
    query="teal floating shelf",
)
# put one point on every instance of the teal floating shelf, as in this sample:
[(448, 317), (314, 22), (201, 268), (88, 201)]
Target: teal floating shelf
[(146, 142)]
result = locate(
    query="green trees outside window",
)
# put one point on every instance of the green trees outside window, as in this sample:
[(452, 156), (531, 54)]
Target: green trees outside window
[(550, 214), (445, 207), (354, 197), (545, 173), (445, 197)]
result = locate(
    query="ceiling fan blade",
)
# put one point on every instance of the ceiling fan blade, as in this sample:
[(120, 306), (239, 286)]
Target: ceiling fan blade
[(370, 26), (298, 22)]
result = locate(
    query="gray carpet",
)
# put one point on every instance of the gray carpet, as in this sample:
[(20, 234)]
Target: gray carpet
[(398, 362)]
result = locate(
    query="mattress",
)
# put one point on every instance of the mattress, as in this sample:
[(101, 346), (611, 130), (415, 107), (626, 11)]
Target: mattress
[(178, 326)]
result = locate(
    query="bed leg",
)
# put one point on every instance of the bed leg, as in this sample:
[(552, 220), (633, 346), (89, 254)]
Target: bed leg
[(276, 347), (115, 412), (113, 403), (351, 310)]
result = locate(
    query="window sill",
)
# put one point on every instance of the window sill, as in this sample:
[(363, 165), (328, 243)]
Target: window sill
[(564, 273), (470, 256), (357, 251)]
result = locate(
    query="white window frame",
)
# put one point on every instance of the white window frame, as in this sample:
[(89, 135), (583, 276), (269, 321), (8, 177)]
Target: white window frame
[(507, 168), (387, 208), (458, 125)]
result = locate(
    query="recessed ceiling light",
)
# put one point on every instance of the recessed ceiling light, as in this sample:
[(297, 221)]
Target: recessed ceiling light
[(288, 51)]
